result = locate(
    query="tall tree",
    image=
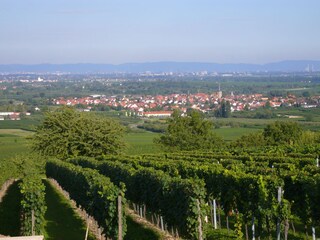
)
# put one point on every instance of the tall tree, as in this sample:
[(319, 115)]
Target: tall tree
[(67, 132), (281, 132), (224, 110), (191, 132)]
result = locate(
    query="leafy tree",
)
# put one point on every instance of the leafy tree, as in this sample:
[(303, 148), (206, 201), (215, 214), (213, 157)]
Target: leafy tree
[(249, 140), (224, 110), (191, 132), (280, 132), (268, 105), (306, 94), (67, 132)]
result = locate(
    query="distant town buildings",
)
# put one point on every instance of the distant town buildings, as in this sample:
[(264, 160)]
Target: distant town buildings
[(163, 105), (12, 115)]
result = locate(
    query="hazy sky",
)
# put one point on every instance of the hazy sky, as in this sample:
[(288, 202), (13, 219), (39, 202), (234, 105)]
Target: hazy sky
[(120, 31)]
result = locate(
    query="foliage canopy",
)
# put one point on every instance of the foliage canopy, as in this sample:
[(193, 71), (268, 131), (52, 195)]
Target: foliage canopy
[(191, 132), (67, 132), (281, 132)]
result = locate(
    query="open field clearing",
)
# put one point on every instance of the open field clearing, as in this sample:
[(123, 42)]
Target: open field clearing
[(13, 142), (141, 143), (15, 132), (229, 134)]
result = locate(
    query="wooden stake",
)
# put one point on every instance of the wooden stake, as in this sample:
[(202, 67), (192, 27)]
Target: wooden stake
[(247, 233), (32, 223), (227, 221), (219, 216), (119, 218), (253, 229), (161, 220), (87, 230), (293, 228), (286, 229), (199, 220), (211, 212), (215, 214), (278, 221), (313, 233)]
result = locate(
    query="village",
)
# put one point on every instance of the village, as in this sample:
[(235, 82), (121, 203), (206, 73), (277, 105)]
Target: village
[(163, 105)]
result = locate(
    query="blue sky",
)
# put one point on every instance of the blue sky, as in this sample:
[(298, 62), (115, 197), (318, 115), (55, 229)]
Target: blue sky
[(121, 31)]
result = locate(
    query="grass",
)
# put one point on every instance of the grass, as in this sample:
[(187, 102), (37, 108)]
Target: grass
[(137, 231), (10, 212), (61, 221), (15, 132), (13, 142), (141, 143), (28, 124), (230, 134), (247, 122)]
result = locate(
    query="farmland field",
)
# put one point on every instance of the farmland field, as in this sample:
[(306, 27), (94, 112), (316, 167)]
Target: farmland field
[(141, 143), (229, 134), (28, 124), (13, 142)]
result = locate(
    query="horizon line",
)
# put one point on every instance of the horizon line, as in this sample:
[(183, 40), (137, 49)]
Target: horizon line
[(165, 61)]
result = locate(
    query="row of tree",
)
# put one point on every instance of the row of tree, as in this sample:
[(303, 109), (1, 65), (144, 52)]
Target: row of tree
[(67, 132)]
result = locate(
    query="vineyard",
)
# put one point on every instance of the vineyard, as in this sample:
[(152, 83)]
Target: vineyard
[(188, 193), (252, 193)]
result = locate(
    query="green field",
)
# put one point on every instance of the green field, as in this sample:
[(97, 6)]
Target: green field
[(230, 134), (141, 143), (13, 142), (29, 123)]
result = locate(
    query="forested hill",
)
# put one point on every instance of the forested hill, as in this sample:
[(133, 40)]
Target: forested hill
[(284, 66)]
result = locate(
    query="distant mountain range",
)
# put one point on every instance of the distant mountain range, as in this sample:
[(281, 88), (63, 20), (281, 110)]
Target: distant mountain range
[(158, 67)]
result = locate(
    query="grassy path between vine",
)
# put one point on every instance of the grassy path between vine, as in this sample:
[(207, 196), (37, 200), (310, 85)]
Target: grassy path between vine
[(10, 212), (61, 221)]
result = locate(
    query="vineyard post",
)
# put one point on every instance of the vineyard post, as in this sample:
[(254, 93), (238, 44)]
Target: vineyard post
[(317, 161), (211, 212), (278, 221), (215, 213), (253, 230), (313, 233), (219, 215), (227, 222), (161, 220), (199, 219), (119, 217), (87, 230), (32, 223)]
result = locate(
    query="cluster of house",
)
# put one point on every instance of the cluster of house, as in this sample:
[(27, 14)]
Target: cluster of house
[(163, 105), (12, 115)]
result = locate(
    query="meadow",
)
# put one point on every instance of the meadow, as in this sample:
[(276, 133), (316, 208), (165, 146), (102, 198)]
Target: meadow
[(230, 134), (141, 143), (13, 142)]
